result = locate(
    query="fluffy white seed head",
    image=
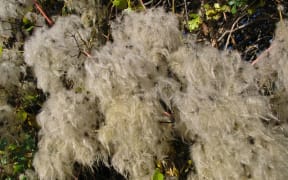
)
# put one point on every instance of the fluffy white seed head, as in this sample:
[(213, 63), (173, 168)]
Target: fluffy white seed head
[(55, 54)]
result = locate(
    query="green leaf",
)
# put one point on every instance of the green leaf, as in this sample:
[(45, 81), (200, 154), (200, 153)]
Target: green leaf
[(194, 23), (120, 4), (25, 21), (29, 143), (217, 6), (12, 147), (21, 115), (210, 12), (250, 11), (234, 10), (225, 8), (206, 6), (158, 175), (29, 29), (194, 16), (27, 24), (30, 98), (216, 17), (18, 168), (22, 159), (116, 3)]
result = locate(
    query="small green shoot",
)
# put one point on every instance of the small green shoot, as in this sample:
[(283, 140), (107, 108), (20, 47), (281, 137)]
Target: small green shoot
[(27, 24)]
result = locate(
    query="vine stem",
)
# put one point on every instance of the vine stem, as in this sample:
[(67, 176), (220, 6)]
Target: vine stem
[(262, 55), (39, 8)]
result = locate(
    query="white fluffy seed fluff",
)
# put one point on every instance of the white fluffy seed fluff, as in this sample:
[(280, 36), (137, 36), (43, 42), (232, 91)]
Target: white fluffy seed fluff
[(10, 59), (54, 54), (9, 11), (69, 124), (127, 76), (215, 98), (222, 112)]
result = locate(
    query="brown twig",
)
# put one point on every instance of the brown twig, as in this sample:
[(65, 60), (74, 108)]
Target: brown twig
[(38, 7), (81, 50), (231, 30)]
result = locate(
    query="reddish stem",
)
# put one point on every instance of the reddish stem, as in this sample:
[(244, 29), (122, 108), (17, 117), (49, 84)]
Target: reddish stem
[(262, 55), (87, 54), (165, 113), (50, 22)]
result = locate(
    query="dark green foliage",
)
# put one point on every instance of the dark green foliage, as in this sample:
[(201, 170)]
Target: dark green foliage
[(15, 157), (18, 146)]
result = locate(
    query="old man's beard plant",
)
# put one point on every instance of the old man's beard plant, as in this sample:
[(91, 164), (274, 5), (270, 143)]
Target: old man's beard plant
[(113, 110)]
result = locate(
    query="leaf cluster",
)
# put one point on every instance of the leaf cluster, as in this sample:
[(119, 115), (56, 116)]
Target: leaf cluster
[(209, 12), (18, 147), (17, 156), (215, 11)]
